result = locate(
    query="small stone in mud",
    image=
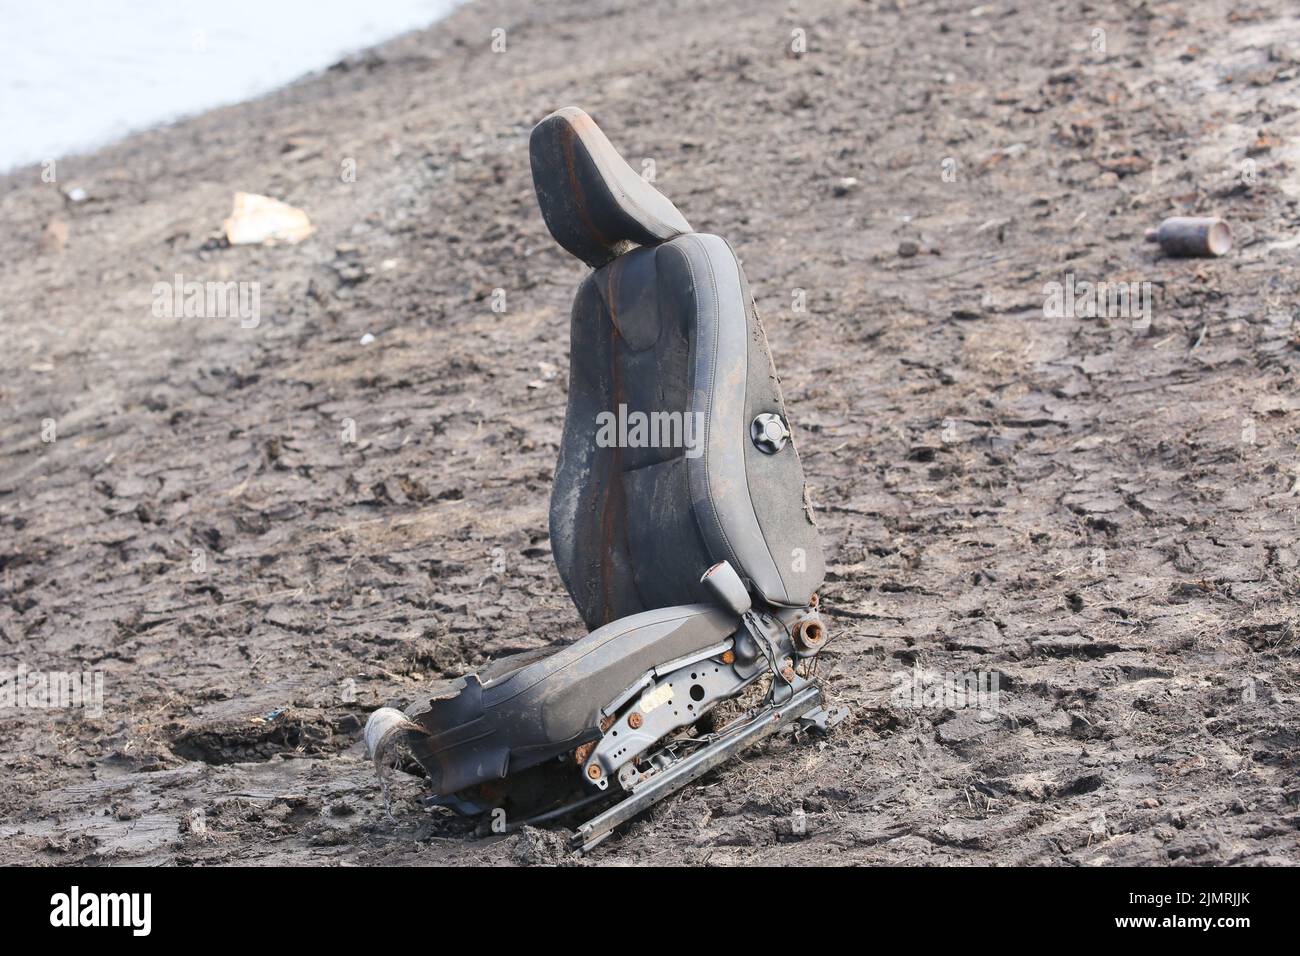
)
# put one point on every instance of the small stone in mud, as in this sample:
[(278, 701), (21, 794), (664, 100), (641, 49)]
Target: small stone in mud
[(908, 248), (794, 827), (55, 236), (845, 186), (351, 272), (534, 847)]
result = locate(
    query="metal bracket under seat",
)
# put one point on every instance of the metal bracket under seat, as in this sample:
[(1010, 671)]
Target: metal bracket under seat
[(804, 704)]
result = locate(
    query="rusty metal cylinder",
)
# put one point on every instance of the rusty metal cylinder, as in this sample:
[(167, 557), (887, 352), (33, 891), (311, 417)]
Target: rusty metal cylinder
[(1192, 236), (809, 636)]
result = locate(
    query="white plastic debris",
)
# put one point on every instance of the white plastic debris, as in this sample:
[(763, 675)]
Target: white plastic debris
[(382, 732), (261, 219), (367, 339), (380, 727)]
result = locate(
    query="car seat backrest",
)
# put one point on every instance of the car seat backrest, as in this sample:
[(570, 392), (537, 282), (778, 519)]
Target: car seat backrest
[(676, 452)]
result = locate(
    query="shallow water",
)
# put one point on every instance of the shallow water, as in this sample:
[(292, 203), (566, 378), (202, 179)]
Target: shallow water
[(77, 74)]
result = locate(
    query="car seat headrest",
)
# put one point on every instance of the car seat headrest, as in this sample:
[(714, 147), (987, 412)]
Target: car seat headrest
[(594, 204)]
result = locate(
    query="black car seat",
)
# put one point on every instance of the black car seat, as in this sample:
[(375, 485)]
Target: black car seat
[(676, 455)]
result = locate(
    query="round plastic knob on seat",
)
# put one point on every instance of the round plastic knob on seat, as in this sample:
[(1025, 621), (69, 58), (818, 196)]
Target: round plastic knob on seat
[(769, 433)]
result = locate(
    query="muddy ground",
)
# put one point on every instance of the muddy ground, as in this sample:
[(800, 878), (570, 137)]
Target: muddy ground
[(1100, 510)]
